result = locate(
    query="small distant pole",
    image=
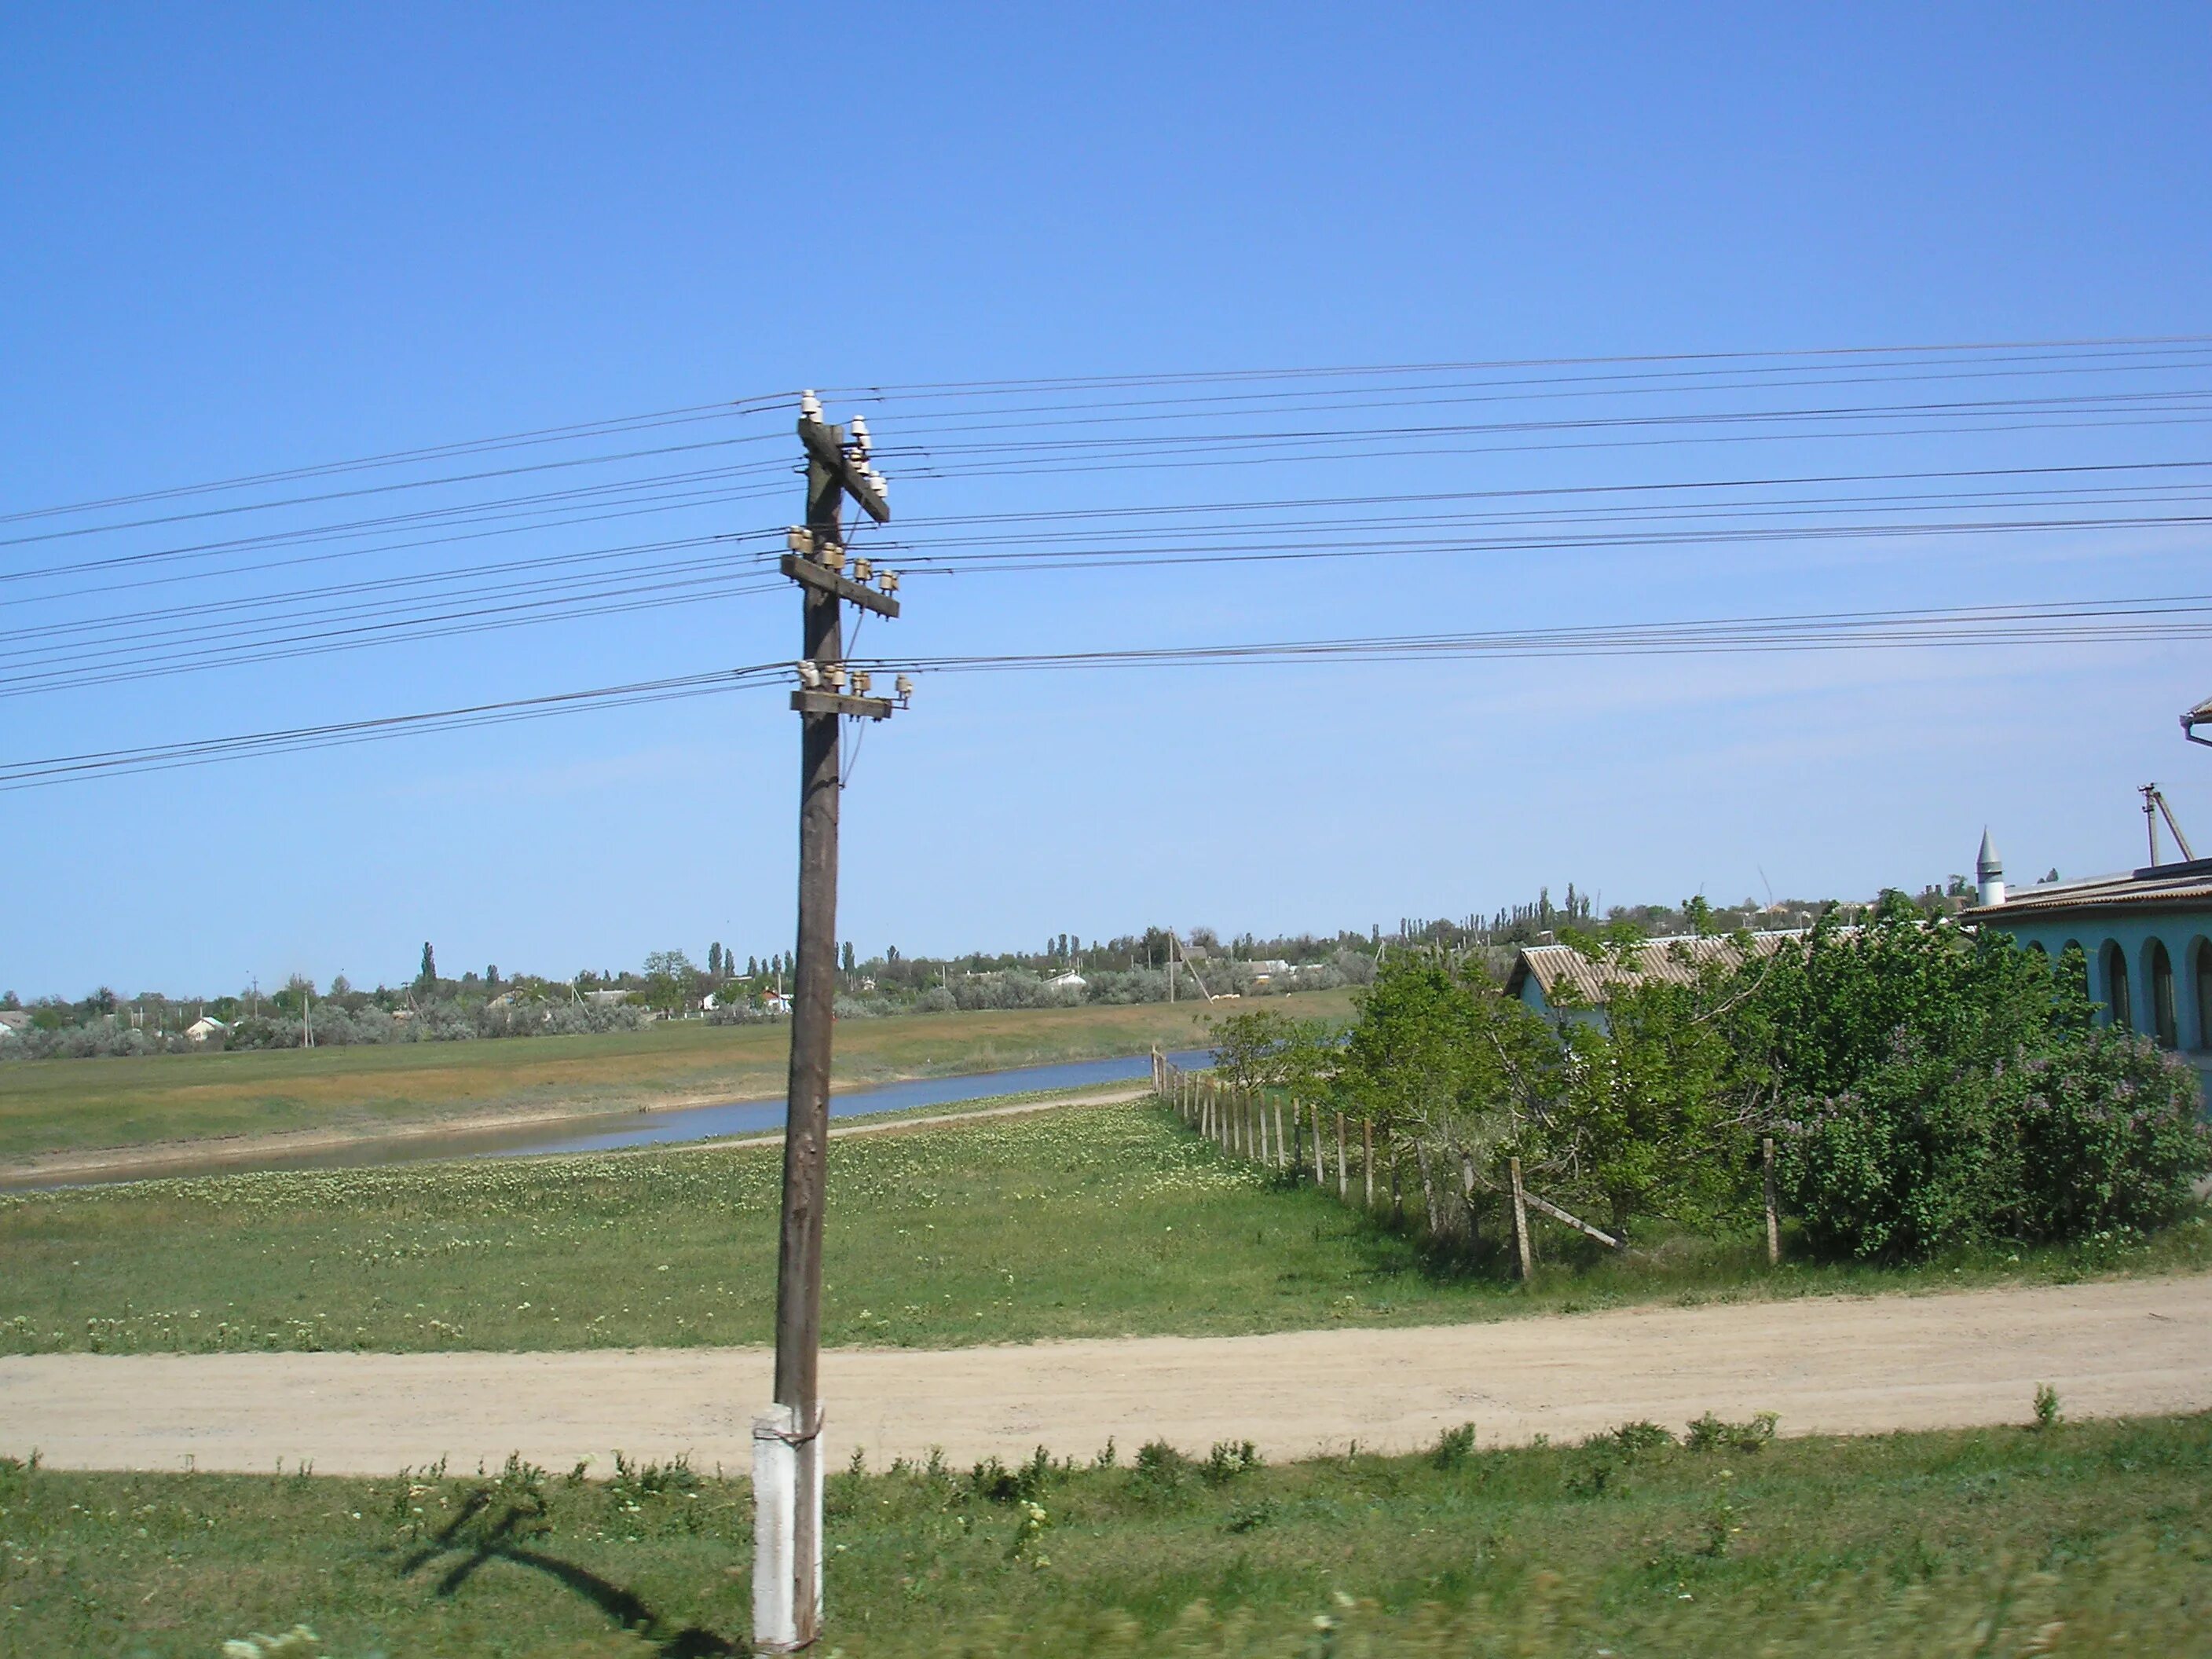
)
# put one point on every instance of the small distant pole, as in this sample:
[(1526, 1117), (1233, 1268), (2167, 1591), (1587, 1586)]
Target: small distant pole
[(1773, 1219)]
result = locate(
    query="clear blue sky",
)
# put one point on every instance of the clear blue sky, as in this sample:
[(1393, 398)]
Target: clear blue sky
[(244, 238)]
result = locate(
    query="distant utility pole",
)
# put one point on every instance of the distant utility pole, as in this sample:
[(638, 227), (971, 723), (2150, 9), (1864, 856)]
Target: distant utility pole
[(787, 1439)]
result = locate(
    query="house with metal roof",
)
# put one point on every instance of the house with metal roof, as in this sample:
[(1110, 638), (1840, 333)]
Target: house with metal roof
[(2145, 935), (1563, 983)]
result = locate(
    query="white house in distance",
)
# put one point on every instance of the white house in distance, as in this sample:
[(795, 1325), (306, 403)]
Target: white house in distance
[(205, 1029), (1561, 983)]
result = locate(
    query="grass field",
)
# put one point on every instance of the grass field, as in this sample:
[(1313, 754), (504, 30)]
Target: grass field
[(2082, 1539), (71, 1104), (1099, 1221)]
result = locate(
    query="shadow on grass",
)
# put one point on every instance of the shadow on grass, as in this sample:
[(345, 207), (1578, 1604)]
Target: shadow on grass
[(474, 1542)]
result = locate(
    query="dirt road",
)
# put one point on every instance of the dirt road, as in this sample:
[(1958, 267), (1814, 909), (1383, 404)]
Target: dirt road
[(1826, 1365)]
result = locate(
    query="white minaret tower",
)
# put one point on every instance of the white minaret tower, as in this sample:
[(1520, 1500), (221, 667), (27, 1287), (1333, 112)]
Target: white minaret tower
[(1989, 872)]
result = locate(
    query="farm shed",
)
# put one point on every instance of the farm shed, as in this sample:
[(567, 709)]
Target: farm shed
[(1561, 982)]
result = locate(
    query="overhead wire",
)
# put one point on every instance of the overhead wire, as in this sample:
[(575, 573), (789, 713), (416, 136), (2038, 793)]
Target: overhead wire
[(24, 774), (2184, 616)]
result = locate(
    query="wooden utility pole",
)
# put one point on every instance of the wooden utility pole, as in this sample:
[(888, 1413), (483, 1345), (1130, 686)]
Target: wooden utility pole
[(1773, 1216), (787, 1440), (1520, 1221)]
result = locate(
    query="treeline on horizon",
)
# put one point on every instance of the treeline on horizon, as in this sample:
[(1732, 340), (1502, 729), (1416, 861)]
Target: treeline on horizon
[(1131, 967)]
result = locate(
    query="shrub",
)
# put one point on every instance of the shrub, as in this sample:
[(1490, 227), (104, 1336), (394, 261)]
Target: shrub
[(1710, 1433), (2110, 1133), (1453, 1448)]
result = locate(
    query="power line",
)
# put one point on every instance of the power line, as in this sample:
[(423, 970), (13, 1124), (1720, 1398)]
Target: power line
[(982, 388), (410, 456), (2137, 620), (161, 758)]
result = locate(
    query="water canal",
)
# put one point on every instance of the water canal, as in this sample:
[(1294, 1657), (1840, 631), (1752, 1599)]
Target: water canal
[(672, 1126)]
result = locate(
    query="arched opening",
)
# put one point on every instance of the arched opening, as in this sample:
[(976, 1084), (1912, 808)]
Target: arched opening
[(2074, 968), (2117, 1001), (2164, 1021), (2201, 971), (2036, 945)]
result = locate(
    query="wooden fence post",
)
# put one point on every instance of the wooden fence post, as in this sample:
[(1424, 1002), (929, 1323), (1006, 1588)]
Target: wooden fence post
[(1773, 1220), (1397, 1182), (1367, 1157), (1282, 1147), (1343, 1182), (1520, 1221), (1321, 1174)]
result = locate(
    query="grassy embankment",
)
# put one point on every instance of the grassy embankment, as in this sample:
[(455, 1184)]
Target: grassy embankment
[(71, 1104), (1998, 1543), (1097, 1221)]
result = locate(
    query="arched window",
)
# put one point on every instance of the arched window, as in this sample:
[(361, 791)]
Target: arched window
[(2158, 969), (2073, 970), (2036, 945), (2117, 1001), (2202, 973)]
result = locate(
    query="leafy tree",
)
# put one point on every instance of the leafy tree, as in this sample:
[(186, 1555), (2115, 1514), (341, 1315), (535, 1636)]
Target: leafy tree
[(1939, 1090), (848, 954), (429, 975), (1267, 1049), (1654, 1118), (669, 979), (1440, 1061)]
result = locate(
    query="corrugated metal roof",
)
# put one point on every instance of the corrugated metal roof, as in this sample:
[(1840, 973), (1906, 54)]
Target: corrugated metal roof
[(1673, 961), (2161, 886)]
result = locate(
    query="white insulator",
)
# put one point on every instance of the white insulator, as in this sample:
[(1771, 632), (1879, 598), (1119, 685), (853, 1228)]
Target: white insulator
[(862, 681), (799, 539), (835, 675), (864, 570), (905, 683), (809, 675), (810, 406), (860, 432)]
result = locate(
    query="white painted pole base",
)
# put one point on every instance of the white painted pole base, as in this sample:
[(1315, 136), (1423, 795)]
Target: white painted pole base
[(786, 1532)]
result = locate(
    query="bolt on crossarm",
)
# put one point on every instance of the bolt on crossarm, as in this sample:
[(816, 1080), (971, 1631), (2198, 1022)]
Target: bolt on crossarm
[(788, 1469)]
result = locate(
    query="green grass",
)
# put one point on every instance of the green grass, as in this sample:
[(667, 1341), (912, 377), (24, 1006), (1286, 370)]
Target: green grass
[(1098, 1221), (1997, 1544), (61, 1105)]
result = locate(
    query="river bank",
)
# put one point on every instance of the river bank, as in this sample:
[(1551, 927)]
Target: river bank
[(551, 1130)]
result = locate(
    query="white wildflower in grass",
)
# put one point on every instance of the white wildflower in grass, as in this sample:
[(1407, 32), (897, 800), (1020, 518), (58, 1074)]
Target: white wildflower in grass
[(297, 1643)]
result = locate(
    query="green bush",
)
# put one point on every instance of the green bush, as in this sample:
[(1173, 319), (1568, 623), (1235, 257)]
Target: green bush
[(2110, 1134), (1941, 1091)]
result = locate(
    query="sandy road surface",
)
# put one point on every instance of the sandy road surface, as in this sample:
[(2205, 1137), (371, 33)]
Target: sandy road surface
[(1826, 1365)]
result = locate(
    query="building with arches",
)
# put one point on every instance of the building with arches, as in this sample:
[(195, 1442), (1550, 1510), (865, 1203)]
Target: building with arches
[(2145, 939)]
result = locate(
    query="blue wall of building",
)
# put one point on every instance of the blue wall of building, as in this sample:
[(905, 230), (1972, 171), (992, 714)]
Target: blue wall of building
[(2114, 941)]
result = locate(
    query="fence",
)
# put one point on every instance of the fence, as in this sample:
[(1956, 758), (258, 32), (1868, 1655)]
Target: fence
[(1294, 1138)]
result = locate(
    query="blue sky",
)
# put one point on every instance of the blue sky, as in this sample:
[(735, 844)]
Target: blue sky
[(242, 239)]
